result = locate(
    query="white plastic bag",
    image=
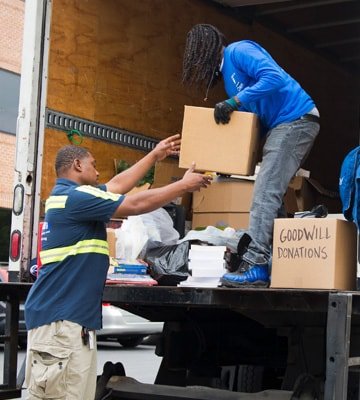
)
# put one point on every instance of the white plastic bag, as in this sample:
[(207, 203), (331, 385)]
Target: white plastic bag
[(160, 228), (131, 238), (228, 237), (145, 231)]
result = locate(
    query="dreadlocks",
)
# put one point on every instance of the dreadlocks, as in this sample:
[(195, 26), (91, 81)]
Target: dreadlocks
[(202, 54)]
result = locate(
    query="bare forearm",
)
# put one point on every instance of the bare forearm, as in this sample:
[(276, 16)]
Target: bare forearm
[(150, 200)]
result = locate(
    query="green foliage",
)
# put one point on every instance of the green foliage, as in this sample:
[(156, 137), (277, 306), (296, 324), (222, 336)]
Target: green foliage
[(122, 166), (148, 178)]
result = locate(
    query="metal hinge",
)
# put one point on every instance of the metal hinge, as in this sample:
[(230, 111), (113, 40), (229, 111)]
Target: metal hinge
[(66, 122)]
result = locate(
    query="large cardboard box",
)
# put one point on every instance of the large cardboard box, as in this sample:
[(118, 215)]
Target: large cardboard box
[(225, 148), (226, 202), (314, 253), (228, 195)]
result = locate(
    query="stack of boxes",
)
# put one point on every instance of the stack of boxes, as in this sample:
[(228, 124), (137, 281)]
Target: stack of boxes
[(308, 253), (230, 149)]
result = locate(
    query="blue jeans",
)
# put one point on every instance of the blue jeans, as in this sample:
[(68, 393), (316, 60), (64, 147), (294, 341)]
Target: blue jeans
[(286, 147)]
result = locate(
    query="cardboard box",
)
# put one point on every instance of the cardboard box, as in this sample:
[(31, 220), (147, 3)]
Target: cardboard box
[(226, 202), (167, 171), (299, 195), (111, 239), (304, 193), (314, 253), (227, 195), (236, 220), (225, 148)]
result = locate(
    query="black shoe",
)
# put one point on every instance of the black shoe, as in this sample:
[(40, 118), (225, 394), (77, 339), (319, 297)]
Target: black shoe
[(233, 260), (319, 211)]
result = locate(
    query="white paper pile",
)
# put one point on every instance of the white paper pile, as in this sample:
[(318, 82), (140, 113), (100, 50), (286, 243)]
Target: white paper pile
[(207, 266)]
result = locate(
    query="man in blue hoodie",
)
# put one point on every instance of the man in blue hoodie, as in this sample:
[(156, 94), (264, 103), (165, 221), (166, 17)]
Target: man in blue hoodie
[(255, 83)]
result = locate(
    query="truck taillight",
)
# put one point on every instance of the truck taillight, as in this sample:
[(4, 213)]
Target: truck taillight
[(18, 202), (15, 242)]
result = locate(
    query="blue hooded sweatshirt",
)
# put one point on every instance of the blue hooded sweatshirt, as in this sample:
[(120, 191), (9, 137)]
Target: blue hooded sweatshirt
[(349, 186), (261, 85)]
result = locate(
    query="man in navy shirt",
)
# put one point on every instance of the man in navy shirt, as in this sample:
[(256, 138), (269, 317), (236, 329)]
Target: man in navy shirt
[(255, 83), (63, 308)]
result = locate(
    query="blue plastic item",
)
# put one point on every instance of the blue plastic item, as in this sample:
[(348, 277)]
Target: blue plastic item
[(130, 269)]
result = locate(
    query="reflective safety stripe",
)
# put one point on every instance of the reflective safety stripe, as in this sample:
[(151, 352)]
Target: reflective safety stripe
[(98, 192), (55, 202), (84, 246)]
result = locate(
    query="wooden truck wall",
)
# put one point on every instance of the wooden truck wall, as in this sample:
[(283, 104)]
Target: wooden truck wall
[(119, 63)]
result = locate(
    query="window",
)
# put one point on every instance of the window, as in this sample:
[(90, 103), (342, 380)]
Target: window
[(9, 100)]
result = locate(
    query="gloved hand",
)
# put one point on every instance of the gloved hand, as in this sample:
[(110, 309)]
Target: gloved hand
[(223, 110)]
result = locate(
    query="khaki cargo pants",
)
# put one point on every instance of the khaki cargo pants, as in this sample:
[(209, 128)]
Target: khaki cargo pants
[(59, 365)]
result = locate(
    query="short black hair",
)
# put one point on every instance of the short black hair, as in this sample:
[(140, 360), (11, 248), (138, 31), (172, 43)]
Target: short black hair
[(66, 156), (202, 54)]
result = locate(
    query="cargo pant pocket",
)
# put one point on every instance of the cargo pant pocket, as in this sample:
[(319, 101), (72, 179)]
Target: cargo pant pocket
[(48, 373)]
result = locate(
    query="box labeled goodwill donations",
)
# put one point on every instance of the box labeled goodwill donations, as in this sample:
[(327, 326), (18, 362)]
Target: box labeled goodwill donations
[(314, 253), (225, 148), (226, 202)]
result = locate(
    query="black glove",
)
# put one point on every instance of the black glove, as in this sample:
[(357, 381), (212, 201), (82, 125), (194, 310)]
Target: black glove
[(223, 110)]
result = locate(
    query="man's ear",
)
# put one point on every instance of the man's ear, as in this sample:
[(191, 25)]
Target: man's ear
[(77, 165)]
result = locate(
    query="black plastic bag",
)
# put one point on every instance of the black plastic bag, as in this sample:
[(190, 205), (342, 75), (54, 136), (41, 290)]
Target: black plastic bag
[(168, 265)]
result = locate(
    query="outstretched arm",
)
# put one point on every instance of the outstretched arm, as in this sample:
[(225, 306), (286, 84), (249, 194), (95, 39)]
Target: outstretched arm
[(126, 180), (152, 199)]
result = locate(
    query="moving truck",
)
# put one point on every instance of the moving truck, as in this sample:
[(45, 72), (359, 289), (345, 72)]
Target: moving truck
[(107, 74)]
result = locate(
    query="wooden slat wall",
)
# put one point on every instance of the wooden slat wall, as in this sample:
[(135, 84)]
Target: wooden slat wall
[(119, 62)]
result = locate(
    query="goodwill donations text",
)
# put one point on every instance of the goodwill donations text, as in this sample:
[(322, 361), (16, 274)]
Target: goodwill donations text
[(304, 243)]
